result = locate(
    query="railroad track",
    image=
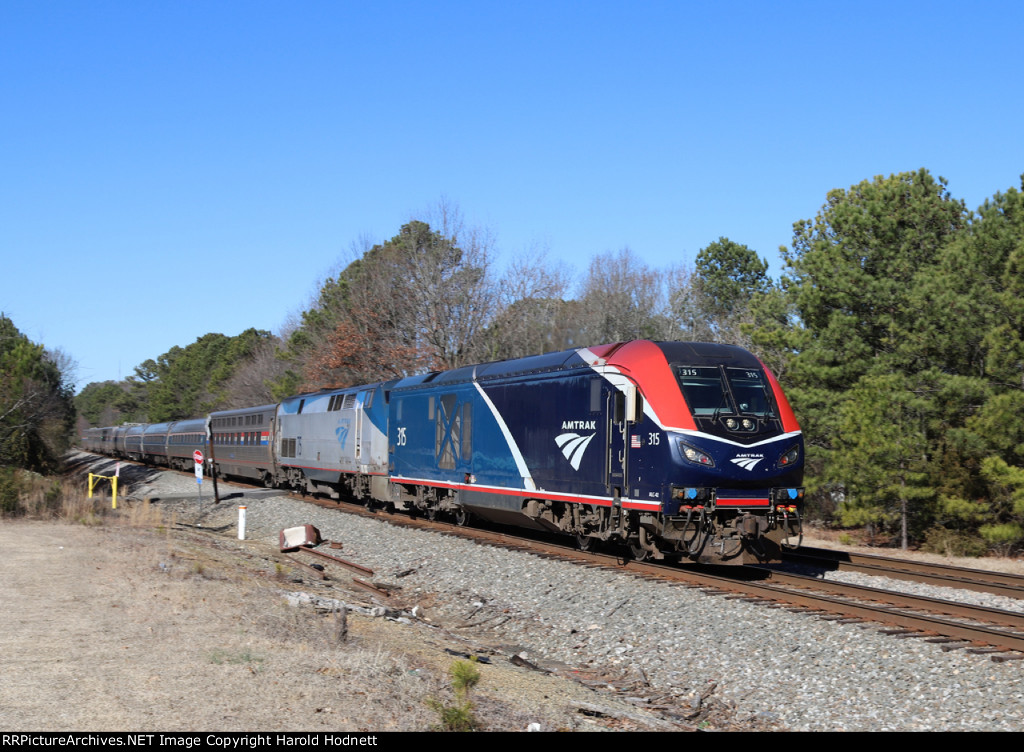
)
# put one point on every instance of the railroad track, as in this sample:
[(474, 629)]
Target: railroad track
[(955, 624), (996, 583)]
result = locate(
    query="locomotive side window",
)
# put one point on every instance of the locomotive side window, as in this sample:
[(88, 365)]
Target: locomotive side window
[(452, 431), (442, 450), (467, 430)]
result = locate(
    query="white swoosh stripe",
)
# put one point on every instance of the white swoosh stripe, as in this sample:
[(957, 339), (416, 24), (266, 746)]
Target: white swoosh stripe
[(517, 455)]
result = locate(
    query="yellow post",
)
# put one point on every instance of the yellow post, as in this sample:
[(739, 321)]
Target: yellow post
[(113, 486)]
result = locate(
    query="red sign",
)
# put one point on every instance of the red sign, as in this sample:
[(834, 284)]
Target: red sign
[(198, 457)]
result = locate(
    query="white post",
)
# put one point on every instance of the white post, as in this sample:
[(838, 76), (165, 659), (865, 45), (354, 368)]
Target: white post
[(241, 523)]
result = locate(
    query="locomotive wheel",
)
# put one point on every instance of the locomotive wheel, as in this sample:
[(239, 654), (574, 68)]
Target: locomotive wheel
[(461, 517), (638, 552), (584, 542)]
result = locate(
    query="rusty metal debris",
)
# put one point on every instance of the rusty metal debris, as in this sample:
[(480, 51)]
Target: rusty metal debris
[(337, 560), (318, 573), (371, 587)]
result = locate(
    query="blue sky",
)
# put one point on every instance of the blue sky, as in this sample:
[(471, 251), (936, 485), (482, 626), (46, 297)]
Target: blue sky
[(169, 169)]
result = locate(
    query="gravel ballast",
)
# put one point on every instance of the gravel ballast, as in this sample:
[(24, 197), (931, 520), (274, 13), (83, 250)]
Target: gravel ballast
[(787, 669)]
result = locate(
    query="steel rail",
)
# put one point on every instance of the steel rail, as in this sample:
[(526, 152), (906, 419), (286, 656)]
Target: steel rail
[(963, 578), (887, 614), (1012, 619), (342, 562), (775, 592), (714, 584)]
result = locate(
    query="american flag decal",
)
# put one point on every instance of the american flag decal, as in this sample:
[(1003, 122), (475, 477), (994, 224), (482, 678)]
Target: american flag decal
[(634, 441)]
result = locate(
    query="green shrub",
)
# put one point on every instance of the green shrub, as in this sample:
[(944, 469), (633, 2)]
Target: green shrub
[(10, 491), (1004, 537), (458, 716), (465, 676), (939, 540)]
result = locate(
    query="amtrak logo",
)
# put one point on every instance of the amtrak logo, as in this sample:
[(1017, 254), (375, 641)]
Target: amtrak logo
[(573, 446), (747, 462), (341, 432)]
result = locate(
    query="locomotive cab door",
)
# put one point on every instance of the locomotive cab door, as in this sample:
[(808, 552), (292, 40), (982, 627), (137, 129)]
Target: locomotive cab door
[(623, 405)]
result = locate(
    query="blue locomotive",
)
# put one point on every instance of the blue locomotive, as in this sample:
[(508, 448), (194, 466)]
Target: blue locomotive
[(689, 449), (678, 449)]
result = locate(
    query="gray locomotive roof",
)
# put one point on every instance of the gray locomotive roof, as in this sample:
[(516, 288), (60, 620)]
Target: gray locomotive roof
[(498, 369), (331, 391)]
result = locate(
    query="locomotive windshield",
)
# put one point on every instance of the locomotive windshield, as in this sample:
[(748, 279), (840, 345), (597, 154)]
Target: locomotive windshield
[(748, 388), (702, 387), (714, 390)]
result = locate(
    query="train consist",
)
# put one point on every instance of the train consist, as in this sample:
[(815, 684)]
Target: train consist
[(674, 449)]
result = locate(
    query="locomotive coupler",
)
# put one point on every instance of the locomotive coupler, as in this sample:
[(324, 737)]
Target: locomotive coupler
[(751, 526)]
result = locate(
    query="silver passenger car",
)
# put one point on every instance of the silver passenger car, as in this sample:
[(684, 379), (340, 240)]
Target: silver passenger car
[(183, 439), (241, 442)]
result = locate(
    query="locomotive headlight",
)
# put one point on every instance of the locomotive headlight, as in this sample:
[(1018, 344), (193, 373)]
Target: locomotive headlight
[(731, 424), (791, 456), (748, 424), (695, 456)]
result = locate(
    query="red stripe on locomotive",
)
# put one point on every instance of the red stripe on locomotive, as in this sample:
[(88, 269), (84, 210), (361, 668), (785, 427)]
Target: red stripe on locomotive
[(645, 363), (786, 415)]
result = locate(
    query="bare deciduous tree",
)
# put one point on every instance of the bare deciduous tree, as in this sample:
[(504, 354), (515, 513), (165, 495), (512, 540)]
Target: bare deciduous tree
[(623, 298), (252, 383), (420, 301), (532, 309)]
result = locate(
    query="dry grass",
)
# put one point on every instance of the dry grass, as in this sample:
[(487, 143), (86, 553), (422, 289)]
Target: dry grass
[(67, 499), (127, 622)]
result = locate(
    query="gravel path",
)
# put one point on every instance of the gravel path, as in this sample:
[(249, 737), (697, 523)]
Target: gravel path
[(778, 667)]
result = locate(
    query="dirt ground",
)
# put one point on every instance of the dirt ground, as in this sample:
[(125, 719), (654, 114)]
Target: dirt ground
[(123, 628), (134, 623)]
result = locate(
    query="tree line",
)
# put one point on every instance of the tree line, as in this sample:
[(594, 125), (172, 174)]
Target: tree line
[(37, 411), (896, 328), (900, 324), (430, 299)]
